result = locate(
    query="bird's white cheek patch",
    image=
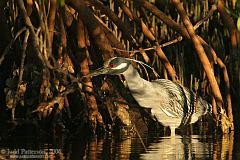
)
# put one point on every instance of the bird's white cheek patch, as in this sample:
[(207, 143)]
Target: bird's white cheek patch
[(121, 66)]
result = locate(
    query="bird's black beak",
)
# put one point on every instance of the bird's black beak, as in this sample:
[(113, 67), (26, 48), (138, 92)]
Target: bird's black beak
[(99, 71)]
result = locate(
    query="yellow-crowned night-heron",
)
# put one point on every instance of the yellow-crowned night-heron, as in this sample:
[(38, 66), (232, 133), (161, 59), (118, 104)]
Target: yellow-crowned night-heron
[(172, 104)]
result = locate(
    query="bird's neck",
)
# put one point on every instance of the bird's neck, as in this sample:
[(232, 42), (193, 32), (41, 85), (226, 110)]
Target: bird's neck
[(133, 79)]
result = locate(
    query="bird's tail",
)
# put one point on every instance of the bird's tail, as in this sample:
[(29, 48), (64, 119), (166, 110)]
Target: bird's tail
[(209, 108)]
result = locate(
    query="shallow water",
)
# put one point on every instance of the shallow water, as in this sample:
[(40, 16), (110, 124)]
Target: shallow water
[(187, 147), (129, 147)]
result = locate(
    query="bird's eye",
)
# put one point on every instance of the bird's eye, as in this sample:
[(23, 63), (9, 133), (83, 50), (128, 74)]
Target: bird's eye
[(112, 65)]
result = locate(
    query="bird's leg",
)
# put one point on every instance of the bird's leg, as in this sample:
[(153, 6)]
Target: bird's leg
[(172, 131)]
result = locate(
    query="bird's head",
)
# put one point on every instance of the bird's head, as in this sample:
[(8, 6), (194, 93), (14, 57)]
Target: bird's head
[(114, 66)]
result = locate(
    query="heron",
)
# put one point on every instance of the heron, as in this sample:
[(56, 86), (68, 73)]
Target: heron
[(172, 104)]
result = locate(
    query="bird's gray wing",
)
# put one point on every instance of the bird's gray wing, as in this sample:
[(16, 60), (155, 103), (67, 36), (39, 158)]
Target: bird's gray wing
[(176, 105)]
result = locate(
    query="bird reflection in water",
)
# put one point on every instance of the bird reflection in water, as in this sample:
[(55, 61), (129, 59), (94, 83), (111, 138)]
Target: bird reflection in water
[(190, 147), (170, 148)]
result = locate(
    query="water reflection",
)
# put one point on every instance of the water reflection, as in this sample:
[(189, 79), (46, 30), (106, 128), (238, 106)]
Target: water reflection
[(106, 147), (178, 147), (191, 147), (130, 147)]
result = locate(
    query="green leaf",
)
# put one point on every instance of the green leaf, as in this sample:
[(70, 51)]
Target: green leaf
[(238, 24)]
